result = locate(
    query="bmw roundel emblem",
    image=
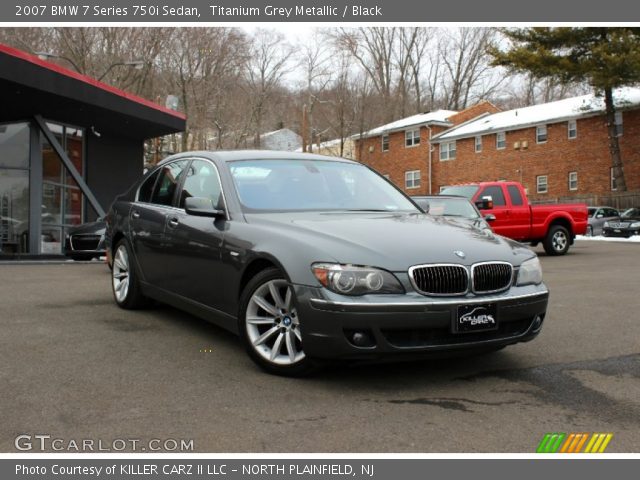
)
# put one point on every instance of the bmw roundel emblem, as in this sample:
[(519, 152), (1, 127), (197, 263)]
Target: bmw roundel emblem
[(460, 253)]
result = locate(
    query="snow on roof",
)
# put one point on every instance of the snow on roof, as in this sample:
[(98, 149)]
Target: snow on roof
[(585, 105), (419, 119), (274, 132), (327, 144)]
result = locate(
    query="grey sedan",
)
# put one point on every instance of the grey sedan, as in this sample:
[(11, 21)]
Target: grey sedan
[(597, 216), (310, 258)]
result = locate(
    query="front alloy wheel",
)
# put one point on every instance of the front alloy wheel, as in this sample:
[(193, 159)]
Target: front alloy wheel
[(270, 326)]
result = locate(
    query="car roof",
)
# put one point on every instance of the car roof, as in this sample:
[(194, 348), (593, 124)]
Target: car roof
[(234, 155)]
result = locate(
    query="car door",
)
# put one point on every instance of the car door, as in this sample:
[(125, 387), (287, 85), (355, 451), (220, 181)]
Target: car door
[(148, 218), (500, 209), (194, 243)]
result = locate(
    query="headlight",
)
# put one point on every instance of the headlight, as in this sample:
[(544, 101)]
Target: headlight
[(530, 272), (352, 280), (635, 225), (605, 224)]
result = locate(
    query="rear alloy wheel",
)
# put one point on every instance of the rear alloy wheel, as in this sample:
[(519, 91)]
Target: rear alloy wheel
[(557, 241), (124, 279), (269, 325)]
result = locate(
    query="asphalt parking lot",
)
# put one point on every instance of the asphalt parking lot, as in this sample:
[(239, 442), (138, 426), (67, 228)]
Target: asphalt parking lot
[(75, 366)]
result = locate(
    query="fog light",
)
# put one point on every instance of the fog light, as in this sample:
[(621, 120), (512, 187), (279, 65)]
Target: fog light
[(361, 338), (537, 323)]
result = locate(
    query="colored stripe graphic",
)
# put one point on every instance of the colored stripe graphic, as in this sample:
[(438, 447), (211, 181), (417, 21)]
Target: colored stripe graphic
[(573, 442)]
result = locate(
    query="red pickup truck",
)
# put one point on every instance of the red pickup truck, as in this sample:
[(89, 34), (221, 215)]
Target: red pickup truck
[(506, 206)]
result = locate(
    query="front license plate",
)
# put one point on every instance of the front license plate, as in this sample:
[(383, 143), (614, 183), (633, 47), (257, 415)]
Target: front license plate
[(617, 230), (474, 318)]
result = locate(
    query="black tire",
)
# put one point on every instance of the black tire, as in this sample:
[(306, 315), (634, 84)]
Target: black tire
[(557, 241), (132, 298), (286, 316)]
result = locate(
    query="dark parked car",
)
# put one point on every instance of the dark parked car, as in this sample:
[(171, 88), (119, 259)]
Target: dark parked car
[(627, 225), (86, 241), (311, 258), (459, 209), (598, 216)]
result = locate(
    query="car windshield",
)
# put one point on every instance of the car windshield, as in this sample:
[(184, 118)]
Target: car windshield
[(297, 185), (452, 207), (631, 212), (467, 191)]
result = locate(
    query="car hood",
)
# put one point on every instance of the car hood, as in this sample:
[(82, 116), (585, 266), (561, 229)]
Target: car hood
[(91, 228), (394, 241)]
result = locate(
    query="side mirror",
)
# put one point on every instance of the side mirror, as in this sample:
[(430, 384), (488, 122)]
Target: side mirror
[(490, 217), (425, 206), (485, 204), (201, 207)]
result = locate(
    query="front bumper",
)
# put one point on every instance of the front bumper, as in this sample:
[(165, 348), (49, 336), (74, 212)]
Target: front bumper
[(620, 232), (411, 324)]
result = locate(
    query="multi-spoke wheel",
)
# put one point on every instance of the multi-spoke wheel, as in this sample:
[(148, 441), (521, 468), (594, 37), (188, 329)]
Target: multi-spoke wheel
[(124, 280), (269, 325), (557, 241)]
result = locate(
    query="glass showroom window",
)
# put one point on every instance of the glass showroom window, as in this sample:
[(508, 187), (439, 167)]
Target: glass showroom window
[(412, 179), (62, 199), (412, 138), (573, 180), (541, 183), (14, 188), (501, 141)]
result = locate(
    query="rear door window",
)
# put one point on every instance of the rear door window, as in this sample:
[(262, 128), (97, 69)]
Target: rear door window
[(146, 189), (516, 197), (168, 182)]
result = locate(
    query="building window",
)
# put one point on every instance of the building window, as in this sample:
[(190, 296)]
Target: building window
[(541, 184), (478, 147), (448, 151), (619, 127), (412, 179), (541, 134), (412, 138), (573, 180), (385, 142), (614, 185), (572, 129), (501, 140)]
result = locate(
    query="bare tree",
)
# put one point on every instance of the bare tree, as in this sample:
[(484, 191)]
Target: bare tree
[(266, 67)]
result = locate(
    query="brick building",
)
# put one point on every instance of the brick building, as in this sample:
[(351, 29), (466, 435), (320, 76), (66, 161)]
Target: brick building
[(558, 149)]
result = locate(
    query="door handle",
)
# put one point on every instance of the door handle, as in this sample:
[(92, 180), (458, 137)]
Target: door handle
[(173, 222), (135, 214)]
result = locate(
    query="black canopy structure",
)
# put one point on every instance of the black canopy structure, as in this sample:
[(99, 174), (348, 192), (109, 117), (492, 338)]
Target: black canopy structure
[(94, 131)]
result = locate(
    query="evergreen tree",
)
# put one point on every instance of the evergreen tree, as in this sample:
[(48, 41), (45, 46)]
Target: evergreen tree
[(605, 58)]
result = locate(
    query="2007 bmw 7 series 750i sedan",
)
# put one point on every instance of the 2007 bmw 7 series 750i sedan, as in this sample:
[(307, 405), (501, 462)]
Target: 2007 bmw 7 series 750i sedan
[(311, 258)]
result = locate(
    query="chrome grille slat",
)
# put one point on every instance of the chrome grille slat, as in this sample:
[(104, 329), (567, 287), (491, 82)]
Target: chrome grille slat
[(440, 280), (491, 277)]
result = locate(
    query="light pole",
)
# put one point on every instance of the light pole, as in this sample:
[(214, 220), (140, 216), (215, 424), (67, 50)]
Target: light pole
[(137, 64)]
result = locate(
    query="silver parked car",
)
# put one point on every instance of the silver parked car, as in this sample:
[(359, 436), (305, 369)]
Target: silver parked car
[(597, 217)]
